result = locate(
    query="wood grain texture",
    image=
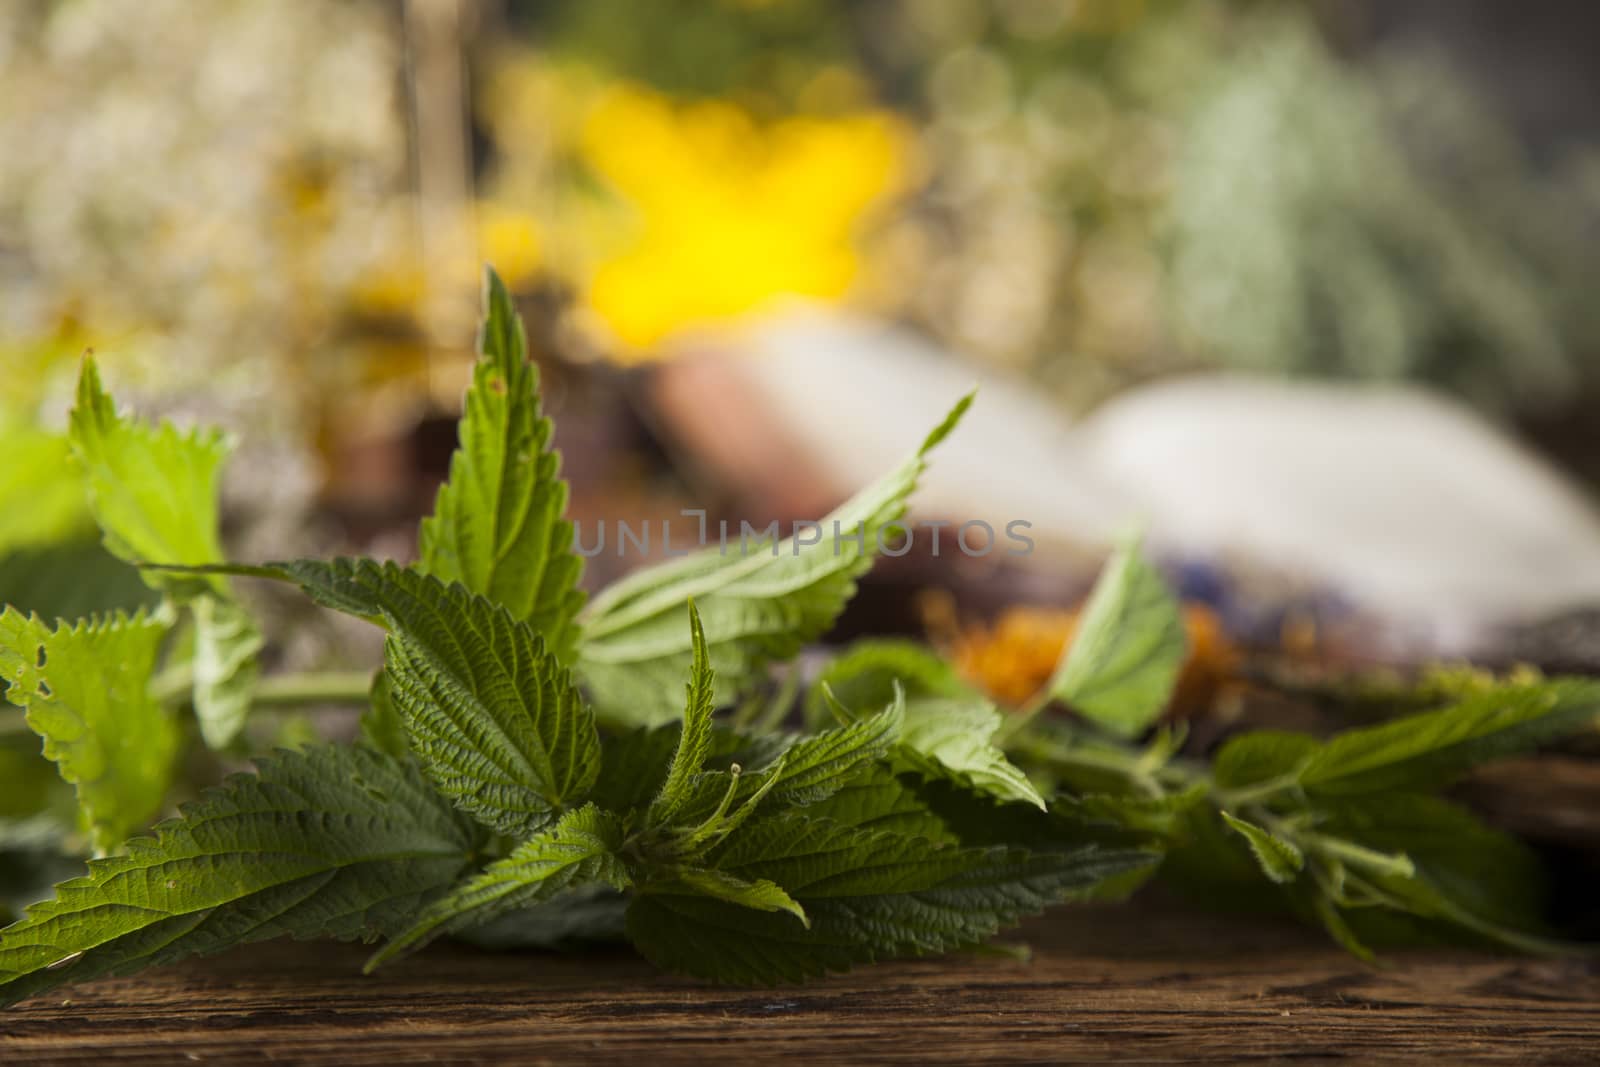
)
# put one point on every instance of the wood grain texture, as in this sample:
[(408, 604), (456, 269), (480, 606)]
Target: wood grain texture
[(1149, 983)]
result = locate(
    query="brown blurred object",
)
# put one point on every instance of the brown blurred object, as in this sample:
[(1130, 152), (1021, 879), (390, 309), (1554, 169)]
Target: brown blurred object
[(1015, 657), (726, 437)]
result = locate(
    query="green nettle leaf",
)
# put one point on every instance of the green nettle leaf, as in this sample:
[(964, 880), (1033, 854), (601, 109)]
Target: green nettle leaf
[(1160, 815), (818, 766), (868, 896), (737, 854), (949, 726), (1485, 872), (1427, 750), (706, 826), (864, 675), (498, 526), (226, 641), (761, 601), (1262, 756), (694, 740), (493, 716), (878, 799), (579, 850), (154, 492), (152, 489), (41, 496), (365, 588), (951, 737), (331, 842), (1419, 896), (84, 689), (1120, 669), (803, 772), (1280, 859), (19, 648), (633, 767), (381, 724), (760, 895)]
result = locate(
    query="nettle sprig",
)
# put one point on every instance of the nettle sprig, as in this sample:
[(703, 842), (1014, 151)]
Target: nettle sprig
[(532, 770), (1350, 832)]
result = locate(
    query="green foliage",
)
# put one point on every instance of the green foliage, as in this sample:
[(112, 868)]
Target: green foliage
[(335, 842), (41, 503), (1120, 667), (29, 784), (1486, 872), (154, 492), (226, 641), (759, 895), (84, 690), (760, 601), (498, 526), (878, 799), (381, 724), (949, 727), (867, 895), (1423, 751), (579, 850), (1262, 756), (909, 818), (71, 580), (694, 739), (1280, 860), (818, 766), (492, 715), (573, 917), (153, 489), (1347, 828)]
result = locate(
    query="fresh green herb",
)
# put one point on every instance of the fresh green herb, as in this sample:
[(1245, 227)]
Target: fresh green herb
[(762, 600), (529, 772), (1281, 860), (1344, 831), (1120, 669), (499, 525), (950, 728), (83, 689), (154, 490), (337, 842)]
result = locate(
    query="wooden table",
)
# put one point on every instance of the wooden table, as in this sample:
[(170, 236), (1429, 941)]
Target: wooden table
[(1137, 983)]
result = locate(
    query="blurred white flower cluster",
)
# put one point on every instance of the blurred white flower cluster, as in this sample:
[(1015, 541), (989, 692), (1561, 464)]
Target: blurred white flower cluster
[(210, 184)]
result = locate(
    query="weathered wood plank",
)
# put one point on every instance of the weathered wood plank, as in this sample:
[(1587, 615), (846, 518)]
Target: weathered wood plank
[(1155, 983)]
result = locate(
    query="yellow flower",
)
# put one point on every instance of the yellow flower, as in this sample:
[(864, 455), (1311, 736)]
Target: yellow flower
[(730, 212), (509, 240)]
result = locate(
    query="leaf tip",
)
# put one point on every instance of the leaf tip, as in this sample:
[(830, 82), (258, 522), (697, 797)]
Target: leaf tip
[(494, 287), (697, 631), (841, 714), (951, 421)]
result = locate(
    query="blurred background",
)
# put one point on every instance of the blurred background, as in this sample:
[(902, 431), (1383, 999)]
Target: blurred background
[(1305, 290)]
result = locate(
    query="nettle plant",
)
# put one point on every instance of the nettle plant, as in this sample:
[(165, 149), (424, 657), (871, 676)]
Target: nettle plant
[(532, 771)]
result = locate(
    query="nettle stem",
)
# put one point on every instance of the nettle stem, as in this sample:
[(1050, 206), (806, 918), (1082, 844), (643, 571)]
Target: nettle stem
[(280, 690), (314, 687)]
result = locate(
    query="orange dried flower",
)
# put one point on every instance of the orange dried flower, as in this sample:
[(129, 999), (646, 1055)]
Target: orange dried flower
[(1015, 657)]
